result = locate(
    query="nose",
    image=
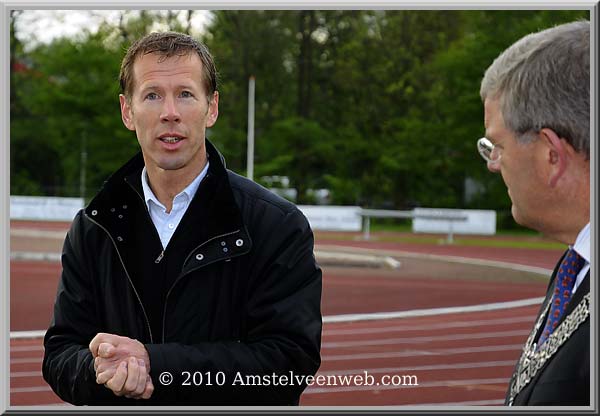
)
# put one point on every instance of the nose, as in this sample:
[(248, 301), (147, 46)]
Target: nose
[(494, 166), (170, 113)]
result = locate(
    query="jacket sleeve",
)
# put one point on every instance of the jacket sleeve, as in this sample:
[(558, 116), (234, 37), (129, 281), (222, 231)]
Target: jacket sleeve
[(282, 339), (68, 364)]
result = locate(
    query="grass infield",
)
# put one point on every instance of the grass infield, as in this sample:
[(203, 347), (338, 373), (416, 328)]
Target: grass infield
[(503, 239)]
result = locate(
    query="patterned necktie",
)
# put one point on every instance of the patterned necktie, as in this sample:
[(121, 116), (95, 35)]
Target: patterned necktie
[(565, 280)]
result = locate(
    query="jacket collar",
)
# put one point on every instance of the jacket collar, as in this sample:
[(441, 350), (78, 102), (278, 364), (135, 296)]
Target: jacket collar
[(122, 192)]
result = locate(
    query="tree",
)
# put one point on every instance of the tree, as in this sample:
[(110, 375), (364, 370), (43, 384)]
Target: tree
[(379, 106), (66, 102)]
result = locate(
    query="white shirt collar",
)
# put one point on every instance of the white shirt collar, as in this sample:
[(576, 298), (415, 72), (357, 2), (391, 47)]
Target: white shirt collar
[(189, 190), (582, 243)]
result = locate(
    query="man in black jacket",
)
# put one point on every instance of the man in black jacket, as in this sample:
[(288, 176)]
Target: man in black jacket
[(536, 96), (183, 283)]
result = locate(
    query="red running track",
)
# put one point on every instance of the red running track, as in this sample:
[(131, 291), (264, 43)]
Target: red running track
[(545, 258), (452, 359), (345, 290), (457, 359)]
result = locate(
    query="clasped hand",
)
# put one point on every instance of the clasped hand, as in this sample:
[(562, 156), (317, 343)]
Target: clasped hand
[(122, 364)]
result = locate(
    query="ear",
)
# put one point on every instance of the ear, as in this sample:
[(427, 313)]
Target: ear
[(558, 154), (213, 110), (126, 112)]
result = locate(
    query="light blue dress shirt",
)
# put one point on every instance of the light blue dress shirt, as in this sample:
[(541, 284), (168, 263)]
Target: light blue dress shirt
[(166, 223)]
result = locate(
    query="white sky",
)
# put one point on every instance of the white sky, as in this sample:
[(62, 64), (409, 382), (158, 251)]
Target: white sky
[(44, 25)]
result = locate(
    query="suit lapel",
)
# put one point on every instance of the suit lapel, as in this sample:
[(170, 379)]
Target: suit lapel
[(549, 294), (582, 290)]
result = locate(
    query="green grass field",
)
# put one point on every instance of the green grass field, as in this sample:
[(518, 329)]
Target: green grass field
[(401, 232)]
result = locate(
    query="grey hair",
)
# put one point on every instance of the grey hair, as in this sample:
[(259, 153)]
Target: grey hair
[(543, 81)]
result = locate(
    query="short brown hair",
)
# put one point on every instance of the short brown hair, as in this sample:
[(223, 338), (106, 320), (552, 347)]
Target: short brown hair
[(167, 44)]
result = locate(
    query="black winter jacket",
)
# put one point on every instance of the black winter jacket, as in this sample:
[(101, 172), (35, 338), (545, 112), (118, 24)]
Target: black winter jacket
[(244, 306)]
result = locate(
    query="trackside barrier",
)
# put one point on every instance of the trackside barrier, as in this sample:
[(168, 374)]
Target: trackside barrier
[(42, 208), (449, 221), (383, 213), (425, 220)]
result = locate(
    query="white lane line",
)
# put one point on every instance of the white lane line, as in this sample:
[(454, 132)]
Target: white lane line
[(441, 383), (30, 389), (30, 232), (22, 348), (18, 374), (412, 340), (388, 315), (29, 360), (440, 257), (434, 311), (337, 258), (27, 334), (499, 402), (35, 256), (384, 370), (342, 389), (455, 366), (420, 353), (427, 327)]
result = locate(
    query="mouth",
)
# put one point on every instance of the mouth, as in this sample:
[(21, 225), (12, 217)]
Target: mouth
[(170, 139)]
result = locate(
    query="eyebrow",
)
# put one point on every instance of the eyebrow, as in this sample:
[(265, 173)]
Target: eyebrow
[(149, 87), (178, 87)]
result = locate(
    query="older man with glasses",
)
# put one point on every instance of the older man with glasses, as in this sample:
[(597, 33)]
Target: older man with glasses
[(536, 98)]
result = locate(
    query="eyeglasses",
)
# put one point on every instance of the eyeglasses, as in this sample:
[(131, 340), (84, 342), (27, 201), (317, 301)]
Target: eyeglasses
[(488, 151)]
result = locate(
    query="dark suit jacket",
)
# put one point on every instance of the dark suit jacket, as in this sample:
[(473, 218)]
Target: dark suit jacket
[(564, 380)]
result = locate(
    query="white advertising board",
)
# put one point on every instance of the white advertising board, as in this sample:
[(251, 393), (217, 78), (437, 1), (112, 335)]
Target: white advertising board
[(434, 220), (44, 208), (332, 217)]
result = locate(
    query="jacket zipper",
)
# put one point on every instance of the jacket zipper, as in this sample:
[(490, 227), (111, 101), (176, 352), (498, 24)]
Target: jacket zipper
[(160, 256), (128, 277), (185, 274), (162, 253)]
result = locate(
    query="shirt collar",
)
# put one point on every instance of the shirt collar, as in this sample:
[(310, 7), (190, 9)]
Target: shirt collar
[(189, 190), (582, 243)]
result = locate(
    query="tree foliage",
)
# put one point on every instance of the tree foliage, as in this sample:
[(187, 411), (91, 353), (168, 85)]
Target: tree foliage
[(380, 107)]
